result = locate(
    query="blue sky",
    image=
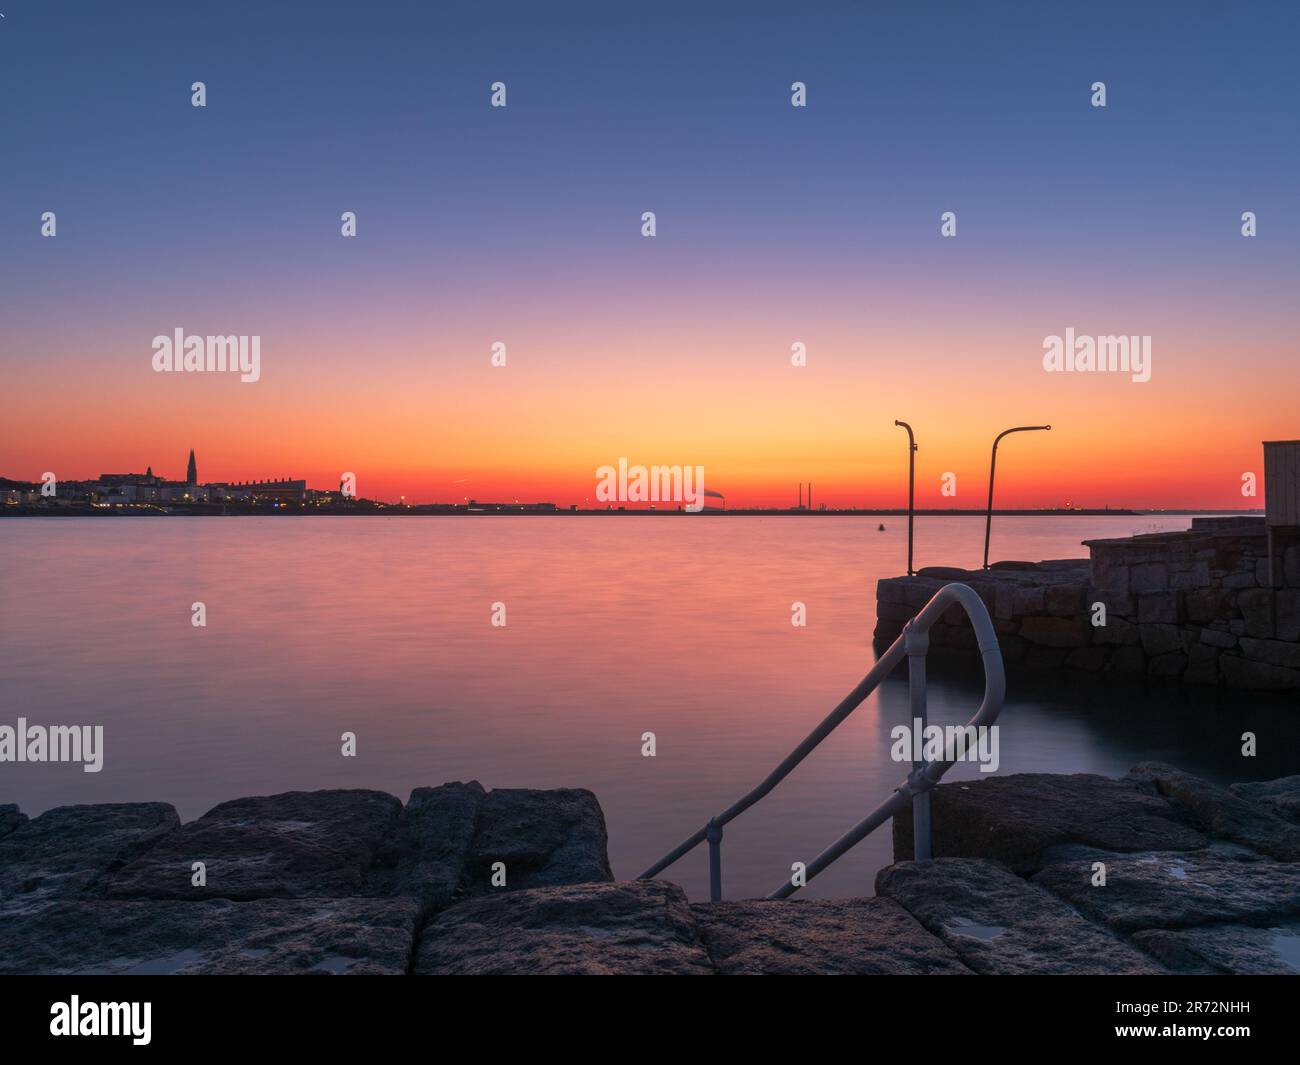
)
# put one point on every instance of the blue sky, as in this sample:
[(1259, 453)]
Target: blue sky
[(770, 217)]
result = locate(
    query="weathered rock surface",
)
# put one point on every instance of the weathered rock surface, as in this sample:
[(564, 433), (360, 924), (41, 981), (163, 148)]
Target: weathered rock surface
[(1015, 819), (65, 851), (639, 926), (543, 837), (998, 923), (10, 818), (1222, 813), (1172, 889), (267, 936), (296, 844), (327, 881), (425, 860), (874, 936), (1281, 796), (1229, 949)]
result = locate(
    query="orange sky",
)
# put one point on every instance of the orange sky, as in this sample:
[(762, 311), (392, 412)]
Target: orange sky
[(441, 424)]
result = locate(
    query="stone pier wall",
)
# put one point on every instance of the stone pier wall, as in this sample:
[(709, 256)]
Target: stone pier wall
[(1195, 606)]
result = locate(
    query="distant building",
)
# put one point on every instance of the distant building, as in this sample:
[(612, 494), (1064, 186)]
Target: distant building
[(130, 487), (16, 492), (183, 492), (191, 471), (282, 491)]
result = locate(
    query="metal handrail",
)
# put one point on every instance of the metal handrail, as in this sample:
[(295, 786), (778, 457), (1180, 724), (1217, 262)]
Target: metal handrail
[(914, 641)]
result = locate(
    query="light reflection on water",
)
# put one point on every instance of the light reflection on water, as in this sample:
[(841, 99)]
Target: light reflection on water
[(616, 626)]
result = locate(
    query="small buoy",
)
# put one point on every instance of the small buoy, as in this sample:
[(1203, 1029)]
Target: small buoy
[(882, 527)]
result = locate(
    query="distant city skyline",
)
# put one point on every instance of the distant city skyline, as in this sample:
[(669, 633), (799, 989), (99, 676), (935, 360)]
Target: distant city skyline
[(799, 500), (776, 226)]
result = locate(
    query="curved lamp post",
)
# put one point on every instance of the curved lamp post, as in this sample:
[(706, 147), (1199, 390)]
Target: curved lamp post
[(988, 519), (911, 490)]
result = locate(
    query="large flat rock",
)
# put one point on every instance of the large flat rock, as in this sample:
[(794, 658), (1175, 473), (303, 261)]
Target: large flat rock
[(1015, 819), (65, 851), (281, 936), (1171, 889), (296, 844), (873, 936), (631, 927), (426, 857), (1232, 949), (1222, 813), (1281, 796), (998, 923), (544, 838)]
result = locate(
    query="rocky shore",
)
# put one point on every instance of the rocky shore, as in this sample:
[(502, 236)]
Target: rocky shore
[(1157, 871), (1197, 879), (325, 881)]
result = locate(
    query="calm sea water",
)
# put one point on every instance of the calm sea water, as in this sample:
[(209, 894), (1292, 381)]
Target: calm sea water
[(615, 627)]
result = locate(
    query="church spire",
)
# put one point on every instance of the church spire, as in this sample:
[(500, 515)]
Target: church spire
[(191, 472)]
